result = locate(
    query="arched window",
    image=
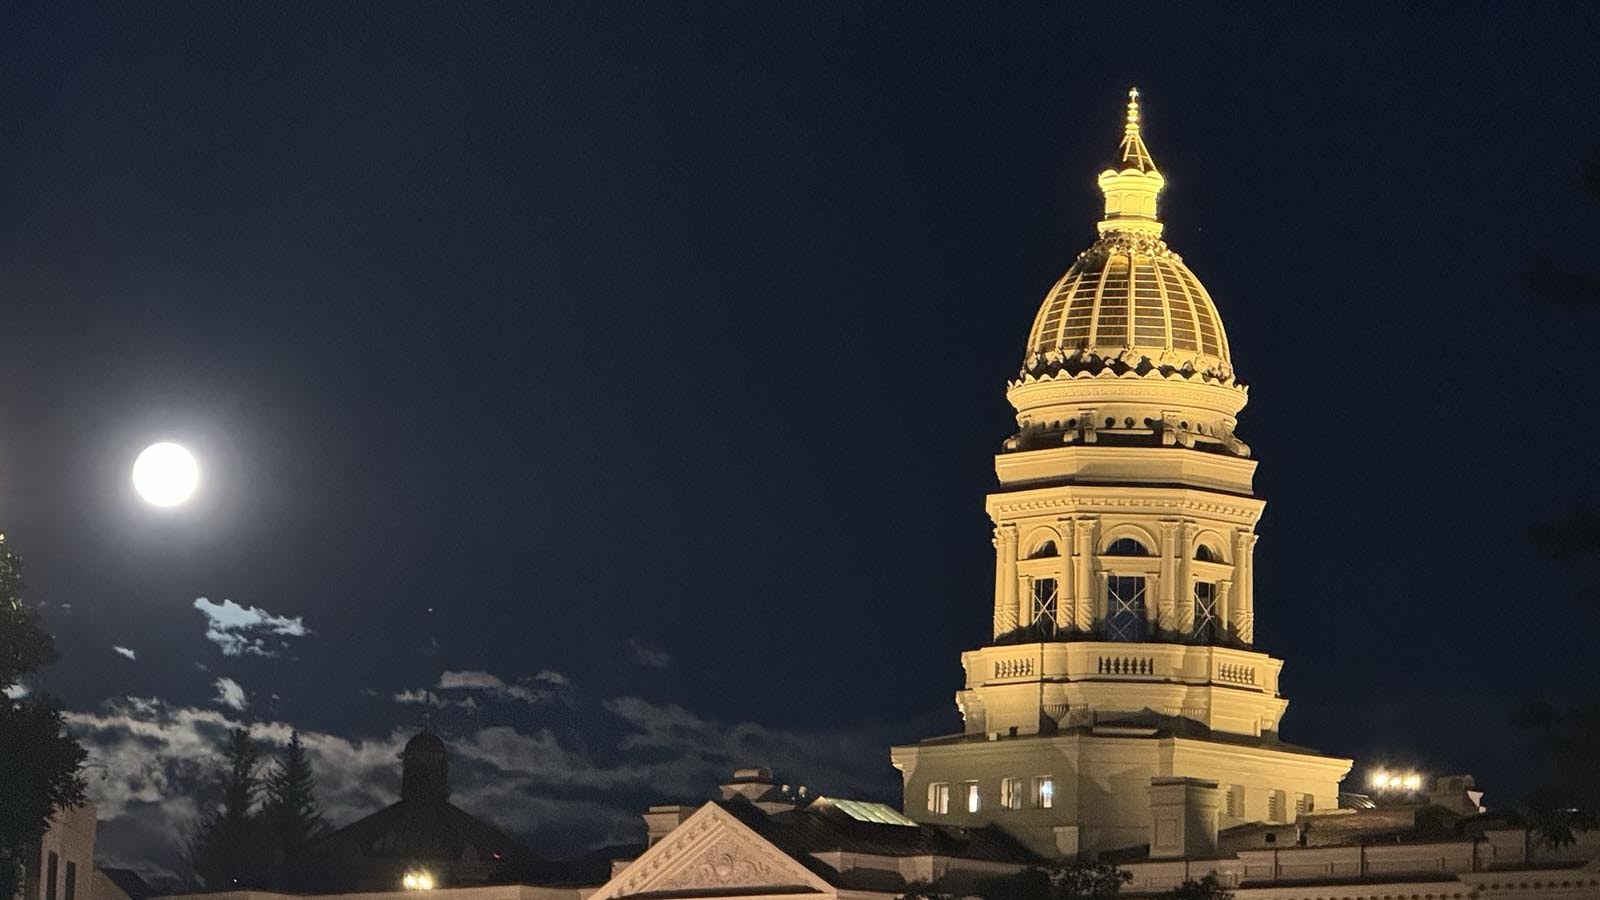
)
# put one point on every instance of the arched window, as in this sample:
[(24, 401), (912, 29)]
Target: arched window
[(1048, 548), (1126, 547), (1204, 553)]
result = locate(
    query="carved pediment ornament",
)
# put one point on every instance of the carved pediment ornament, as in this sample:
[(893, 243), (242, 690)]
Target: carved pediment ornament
[(713, 851)]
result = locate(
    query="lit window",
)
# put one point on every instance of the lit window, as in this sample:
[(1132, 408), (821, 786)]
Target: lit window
[(971, 791), (1045, 597), (939, 798), (1011, 793), (1205, 612), (1125, 619), (1044, 792)]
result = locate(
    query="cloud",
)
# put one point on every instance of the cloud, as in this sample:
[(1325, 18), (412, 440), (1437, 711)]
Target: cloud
[(647, 654), (230, 694), (573, 782), (243, 630), (124, 651), (538, 689), (425, 697)]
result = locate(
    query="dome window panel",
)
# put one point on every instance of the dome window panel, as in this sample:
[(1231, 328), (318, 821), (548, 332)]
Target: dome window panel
[(1125, 608)]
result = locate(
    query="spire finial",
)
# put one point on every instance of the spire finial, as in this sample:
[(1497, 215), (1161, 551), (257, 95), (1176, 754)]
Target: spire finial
[(1134, 154), (1132, 184)]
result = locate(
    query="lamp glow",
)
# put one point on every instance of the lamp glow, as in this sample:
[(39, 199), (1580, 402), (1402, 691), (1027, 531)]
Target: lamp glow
[(420, 880), (165, 474)]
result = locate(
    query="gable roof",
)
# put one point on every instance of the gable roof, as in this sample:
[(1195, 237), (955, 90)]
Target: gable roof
[(713, 851)]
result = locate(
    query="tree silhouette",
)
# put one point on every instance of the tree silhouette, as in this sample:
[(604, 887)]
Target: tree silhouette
[(39, 761), (291, 818), (226, 850), (1568, 798)]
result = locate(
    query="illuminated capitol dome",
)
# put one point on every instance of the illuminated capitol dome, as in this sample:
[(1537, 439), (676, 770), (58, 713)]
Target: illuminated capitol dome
[(1128, 315), (1122, 695)]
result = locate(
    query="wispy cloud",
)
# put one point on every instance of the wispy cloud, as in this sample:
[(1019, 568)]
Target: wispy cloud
[(230, 694), (124, 651), (647, 654), (425, 697), (537, 689), (244, 630)]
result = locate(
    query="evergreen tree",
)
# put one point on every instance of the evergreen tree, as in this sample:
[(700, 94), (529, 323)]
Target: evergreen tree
[(226, 850), (291, 817), (39, 761)]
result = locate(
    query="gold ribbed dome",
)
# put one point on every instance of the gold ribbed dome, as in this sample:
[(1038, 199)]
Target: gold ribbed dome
[(1128, 302), (1129, 299)]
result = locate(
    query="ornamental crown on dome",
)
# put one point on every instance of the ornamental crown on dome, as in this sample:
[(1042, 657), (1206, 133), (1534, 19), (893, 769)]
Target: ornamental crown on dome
[(1128, 302)]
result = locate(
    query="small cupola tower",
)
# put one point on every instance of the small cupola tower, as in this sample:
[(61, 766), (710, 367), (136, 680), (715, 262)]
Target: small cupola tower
[(424, 769)]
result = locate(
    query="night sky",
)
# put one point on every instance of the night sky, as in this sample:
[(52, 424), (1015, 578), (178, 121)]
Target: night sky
[(618, 385)]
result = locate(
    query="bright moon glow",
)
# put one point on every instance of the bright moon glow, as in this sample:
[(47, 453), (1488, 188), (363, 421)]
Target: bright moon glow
[(165, 474)]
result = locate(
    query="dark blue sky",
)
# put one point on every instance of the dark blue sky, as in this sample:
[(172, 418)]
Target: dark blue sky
[(661, 348)]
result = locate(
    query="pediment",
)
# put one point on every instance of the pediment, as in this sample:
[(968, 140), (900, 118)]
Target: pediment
[(712, 854)]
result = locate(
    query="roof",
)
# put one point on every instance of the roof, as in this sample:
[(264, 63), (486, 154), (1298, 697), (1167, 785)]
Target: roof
[(1128, 298), (425, 829), (826, 828)]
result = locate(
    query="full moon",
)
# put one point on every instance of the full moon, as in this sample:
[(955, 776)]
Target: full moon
[(165, 474)]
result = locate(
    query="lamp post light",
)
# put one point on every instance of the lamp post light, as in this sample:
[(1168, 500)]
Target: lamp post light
[(418, 880)]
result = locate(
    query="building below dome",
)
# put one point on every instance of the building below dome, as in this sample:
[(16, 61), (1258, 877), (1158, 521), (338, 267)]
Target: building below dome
[(423, 833)]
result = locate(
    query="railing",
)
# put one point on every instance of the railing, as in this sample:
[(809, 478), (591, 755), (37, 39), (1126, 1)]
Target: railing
[(1236, 673), (1013, 668), (1126, 665)]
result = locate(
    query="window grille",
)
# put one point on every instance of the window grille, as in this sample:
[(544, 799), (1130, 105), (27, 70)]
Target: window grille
[(1046, 597), (939, 798), (1125, 618), (1206, 622)]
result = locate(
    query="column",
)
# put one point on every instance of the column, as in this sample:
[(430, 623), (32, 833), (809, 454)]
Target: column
[(1067, 602), (1084, 568), (1225, 603), (1005, 594), (1244, 553), (1184, 589), (1166, 611)]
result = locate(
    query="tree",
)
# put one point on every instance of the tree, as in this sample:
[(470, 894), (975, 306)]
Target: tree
[(39, 761), (225, 850), (1207, 888), (1568, 799), (291, 817)]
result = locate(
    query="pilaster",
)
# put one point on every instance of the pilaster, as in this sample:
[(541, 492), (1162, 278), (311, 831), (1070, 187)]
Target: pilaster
[(1165, 607), (1067, 600), (1005, 588), (1088, 591)]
